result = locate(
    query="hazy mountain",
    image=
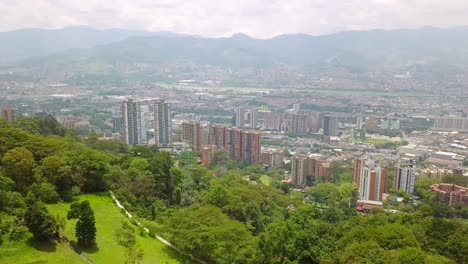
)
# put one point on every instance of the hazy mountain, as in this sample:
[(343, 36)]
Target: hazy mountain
[(426, 52), (25, 43)]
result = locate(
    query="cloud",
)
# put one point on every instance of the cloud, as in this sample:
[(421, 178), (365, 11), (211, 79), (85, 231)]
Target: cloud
[(259, 18)]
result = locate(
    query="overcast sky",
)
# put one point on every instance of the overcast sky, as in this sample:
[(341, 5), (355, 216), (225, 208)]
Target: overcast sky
[(258, 18)]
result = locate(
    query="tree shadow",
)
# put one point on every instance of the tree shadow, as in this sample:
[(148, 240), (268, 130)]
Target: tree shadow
[(88, 250), (46, 246)]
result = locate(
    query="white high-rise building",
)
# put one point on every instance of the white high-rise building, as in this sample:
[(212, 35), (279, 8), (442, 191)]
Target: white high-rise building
[(405, 175), (372, 181), (162, 123), (240, 116), (131, 122)]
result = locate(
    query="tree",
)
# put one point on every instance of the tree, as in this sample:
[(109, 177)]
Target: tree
[(412, 255), (160, 166), (19, 165), (85, 229), (45, 192), (40, 222)]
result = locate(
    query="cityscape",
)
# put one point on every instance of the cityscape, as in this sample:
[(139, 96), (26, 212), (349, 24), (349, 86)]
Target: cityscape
[(234, 132)]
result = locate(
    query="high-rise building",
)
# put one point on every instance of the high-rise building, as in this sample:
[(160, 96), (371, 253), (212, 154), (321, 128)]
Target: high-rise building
[(117, 124), (235, 144), (323, 170), (251, 147), (241, 145), (359, 123), (304, 166), (405, 175), (299, 170), (240, 116), (162, 123), (218, 136), (357, 170), (372, 181), (273, 158), (330, 125), (296, 107), (299, 123), (451, 123), (372, 123), (273, 121), (208, 152), (8, 113), (253, 118), (192, 133), (131, 122)]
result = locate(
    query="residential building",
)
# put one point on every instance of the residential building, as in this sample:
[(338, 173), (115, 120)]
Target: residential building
[(240, 117), (451, 194), (241, 145), (299, 170), (451, 123), (253, 118), (208, 152), (312, 165), (131, 122), (273, 121), (117, 124), (405, 175), (193, 133), (8, 113), (251, 147), (357, 170), (372, 181), (273, 158), (330, 125), (299, 123), (162, 123)]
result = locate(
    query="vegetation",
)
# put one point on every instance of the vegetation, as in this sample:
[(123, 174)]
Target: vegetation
[(85, 227), (244, 214)]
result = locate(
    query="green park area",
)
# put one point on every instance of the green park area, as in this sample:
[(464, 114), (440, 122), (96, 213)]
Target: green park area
[(109, 218)]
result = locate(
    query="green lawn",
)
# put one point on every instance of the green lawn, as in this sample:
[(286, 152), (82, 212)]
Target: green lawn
[(108, 219), (30, 251)]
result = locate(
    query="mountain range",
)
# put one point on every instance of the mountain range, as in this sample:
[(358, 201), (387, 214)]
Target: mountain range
[(423, 52)]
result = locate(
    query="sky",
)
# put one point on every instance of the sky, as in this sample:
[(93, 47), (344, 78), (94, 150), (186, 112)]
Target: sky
[(215, 18)]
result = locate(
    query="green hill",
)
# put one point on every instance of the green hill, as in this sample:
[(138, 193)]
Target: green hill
[(108, 220)]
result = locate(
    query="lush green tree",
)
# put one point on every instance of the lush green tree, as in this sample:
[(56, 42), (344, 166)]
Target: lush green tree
[(90, 166), (208, 234), (85, 229), (40, 222), (45, 192), (457, 246), (56, 171), (412, 255), (160, 166), (188, 158), (19, 165)]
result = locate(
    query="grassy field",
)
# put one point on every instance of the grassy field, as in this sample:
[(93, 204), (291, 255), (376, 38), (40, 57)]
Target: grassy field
[(108, 219), (30, 251)]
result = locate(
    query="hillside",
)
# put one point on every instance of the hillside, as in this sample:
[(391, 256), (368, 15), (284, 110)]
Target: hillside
[(108, 220), (416, 57), (22, 44)]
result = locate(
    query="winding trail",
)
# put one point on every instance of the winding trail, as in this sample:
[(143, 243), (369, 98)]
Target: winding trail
[(130, 216)]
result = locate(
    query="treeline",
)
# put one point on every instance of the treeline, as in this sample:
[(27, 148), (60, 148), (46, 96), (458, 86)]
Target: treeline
[(228, 213)]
